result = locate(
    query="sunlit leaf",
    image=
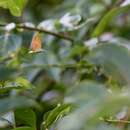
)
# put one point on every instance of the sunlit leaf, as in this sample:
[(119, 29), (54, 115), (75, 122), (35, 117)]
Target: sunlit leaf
[(6, 89), (15, 6), (23, 128), (23, 82), (107, 18), (52, 116), (3, 3)]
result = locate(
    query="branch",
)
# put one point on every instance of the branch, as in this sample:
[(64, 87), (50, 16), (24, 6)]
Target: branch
[(59, 66), (59, 35)]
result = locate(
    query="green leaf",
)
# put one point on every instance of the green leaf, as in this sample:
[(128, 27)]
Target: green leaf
[(9, 45), (7, 73), (11, 103), (15, 6), (86, 97), (23, 82), (23, 128), (92, 102), (77, 50), (3, 3), (107, 18), (111, 106), (85, 91), (14, 9), (25, 116), (52, 116), (7, 89), (115, 61)]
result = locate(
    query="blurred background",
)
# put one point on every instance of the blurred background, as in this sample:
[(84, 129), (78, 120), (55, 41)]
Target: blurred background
[(77, 84)]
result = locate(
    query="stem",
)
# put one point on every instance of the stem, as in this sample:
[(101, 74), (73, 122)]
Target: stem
[(59, 35), (116, 121), (60, 66)]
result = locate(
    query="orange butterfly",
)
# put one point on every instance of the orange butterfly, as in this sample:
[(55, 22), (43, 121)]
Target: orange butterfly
[(36, 44)]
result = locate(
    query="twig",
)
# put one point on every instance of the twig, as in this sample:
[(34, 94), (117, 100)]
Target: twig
[(59, 35), (59, 66), (115, 121)]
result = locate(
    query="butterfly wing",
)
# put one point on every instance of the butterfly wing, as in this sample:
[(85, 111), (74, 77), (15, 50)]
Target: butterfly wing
[(36, 44)]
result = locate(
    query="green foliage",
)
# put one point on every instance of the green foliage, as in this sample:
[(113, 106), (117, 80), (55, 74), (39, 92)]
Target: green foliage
[(57, 113), (25, 117), (76, 76), (15, 6), (107, 18), (23, 128), (111, 65), (10, 103)]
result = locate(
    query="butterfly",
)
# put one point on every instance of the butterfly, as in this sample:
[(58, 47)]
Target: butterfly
[(36, 43)]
